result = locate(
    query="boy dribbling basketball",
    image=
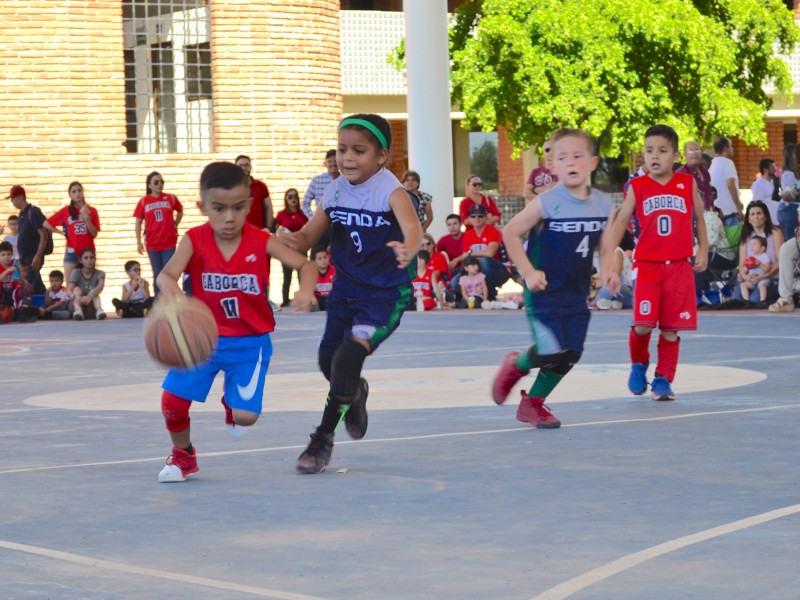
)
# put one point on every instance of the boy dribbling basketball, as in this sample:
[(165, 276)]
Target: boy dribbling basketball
[(664, 294), (228, 261)]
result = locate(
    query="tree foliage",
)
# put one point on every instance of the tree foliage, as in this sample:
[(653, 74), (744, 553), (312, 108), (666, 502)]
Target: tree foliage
[(615, 68), (483, 163)]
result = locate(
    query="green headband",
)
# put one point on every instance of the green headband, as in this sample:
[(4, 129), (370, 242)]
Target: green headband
[(366, 124)]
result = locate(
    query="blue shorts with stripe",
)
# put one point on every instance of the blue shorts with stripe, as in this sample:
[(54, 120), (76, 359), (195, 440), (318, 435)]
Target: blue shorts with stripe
[(557, 328), (366, 313), (245, 361)]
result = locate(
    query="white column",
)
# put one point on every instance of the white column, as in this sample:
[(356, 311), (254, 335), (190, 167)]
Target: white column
[(430, 143)]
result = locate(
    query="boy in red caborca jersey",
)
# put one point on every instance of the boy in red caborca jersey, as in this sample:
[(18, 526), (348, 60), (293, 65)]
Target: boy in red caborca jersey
[(228, 261), (664, 291)]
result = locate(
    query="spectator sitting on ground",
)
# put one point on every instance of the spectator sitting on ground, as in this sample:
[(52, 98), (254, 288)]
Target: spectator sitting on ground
[(788, 259), (476, 197), (56, 298), (483, 242), (756, 263), (325, 275), (452, 244), (758, 222), (721, 255), (438, 260), (473, 284), (623, 267), (13, 233), (24, 311), (8, 283), (136, 299), (427, 293), (85, 286)]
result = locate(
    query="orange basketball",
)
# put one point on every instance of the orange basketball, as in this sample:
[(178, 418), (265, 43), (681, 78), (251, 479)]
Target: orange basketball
[(180, 332)]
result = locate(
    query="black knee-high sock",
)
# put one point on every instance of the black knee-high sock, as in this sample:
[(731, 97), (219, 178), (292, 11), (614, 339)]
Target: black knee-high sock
[(334, 412)]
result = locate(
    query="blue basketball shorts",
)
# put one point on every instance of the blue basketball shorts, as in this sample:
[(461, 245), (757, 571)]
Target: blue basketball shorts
[(556, 329), (245, 361), (369, 314)]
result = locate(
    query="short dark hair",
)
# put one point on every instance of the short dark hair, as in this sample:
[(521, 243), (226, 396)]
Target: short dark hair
[(329, 154), (378, 121), (87, 249), (23, 263), (720, 144), (57, 274), (130, 264), (424, 255), (664, 131), (453, 216), (235, 160), (221, 174), (13, 218), (762, 240), (6, 247), (764, 164), (412, 174), (317, 250)]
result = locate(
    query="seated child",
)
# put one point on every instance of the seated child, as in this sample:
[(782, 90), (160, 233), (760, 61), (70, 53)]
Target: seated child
[(24, 312), (426, 284), (756, 263), (325, 274), (9, 279), (85, 285), (136, 298), (473, 284), (56, 299)]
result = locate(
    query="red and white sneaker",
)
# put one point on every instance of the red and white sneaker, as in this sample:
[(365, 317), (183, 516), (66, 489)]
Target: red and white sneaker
[(180, 466), (533, 411), (234, 430), (506, 378)]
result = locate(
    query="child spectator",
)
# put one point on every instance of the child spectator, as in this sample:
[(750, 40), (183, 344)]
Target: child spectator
[(13, 233), (623, 267), (564, 225), (426, 284), (136, 299), (452, 244), (56, 299), (474, 290), (9, 281), (664, 295), (290, 219), (81, 225), (325, 275), (24, 312), (221, 254), (375, 233), (161, 213), (756, 263), (85, 286)]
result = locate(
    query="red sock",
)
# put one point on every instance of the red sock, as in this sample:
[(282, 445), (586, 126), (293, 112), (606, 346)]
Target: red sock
[(667, 357), (639, 346), (176, 411)]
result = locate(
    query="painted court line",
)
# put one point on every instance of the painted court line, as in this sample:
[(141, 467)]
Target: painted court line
[(429, 436), (615, 567), (107, 565)]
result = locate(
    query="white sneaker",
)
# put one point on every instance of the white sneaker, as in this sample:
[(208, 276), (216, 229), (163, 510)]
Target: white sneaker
[(603, 304), (77, 315), (616, 305), (782, 305), (101, 315), (511, 305)]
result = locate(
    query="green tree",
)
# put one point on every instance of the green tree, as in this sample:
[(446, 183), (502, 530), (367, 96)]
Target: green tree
[(483, 163), (615, 68)]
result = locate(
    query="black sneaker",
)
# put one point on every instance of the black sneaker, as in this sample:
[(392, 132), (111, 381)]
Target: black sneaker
[(356, 419), (317, 455)]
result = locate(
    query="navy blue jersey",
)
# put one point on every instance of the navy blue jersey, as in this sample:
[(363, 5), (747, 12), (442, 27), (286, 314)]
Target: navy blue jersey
[(362, 224), (563, 244)]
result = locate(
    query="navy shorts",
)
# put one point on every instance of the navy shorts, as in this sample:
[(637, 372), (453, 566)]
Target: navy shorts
[(245, 361), (556, 329), (364, 313)]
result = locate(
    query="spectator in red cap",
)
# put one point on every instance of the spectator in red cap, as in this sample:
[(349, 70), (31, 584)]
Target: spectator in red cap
[(82, 224), (32, 237)]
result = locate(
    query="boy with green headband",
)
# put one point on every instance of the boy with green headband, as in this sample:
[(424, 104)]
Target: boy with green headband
[(375, 233)]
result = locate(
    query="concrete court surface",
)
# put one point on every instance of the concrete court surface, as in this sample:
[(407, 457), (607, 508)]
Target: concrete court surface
[(448, 496)]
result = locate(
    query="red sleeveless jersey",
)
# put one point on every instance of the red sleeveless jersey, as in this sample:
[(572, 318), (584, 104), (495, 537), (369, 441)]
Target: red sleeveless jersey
[(665, 214), (233, 289)]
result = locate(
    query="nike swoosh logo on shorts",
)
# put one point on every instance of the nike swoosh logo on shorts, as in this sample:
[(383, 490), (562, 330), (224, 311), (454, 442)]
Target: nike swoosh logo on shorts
[(249, 390)]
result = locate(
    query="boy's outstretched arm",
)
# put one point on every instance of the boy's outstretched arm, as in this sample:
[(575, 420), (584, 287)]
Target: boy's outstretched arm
[(701, 259), (295, 260), (513, 232), (409, 223), (168, 278), (303, 240), (615, 229)]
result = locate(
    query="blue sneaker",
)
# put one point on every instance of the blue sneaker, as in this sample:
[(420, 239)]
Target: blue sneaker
[(661, 389), (637, 381)]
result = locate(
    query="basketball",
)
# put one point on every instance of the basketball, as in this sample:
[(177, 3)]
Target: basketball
[(751, 262), (180, 332)]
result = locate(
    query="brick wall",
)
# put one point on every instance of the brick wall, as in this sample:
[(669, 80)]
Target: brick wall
[(747, 157), (510, 172), (277, 98)]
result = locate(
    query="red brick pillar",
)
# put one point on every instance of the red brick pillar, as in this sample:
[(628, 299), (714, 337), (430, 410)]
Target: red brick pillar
[(510, 175)]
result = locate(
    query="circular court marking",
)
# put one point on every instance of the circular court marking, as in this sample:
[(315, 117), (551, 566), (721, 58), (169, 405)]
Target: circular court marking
[(397, 389), (581, 582)]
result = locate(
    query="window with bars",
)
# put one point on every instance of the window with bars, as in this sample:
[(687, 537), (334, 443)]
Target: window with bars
[(168, 86)]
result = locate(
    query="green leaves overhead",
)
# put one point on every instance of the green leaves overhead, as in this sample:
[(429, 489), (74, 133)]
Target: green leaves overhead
[(615, 68)]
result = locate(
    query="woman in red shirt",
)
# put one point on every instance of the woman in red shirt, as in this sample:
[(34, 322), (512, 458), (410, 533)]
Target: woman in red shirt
[(475, 195), (290, 219), (161, 214), (80, 224)]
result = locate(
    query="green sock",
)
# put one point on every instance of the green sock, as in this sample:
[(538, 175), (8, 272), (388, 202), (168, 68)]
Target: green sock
[(546, 381), (523, 361)]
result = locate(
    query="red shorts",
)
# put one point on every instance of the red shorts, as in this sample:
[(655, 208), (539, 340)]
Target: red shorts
[(664, 296)]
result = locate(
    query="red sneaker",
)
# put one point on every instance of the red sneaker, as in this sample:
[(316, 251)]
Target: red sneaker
[(506, 378), (180, 466), (533, 411)]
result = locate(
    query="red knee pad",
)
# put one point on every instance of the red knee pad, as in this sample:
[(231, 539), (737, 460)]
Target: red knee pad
[(176, 411)]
